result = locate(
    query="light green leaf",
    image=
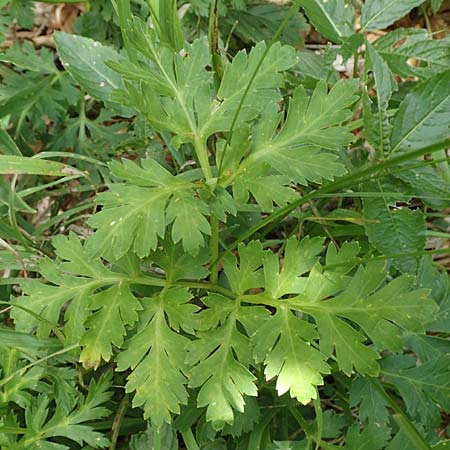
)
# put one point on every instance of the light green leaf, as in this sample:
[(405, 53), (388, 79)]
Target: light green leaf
[(381, 320), (335, 19), (283, 344), (189, 222), (266, 189), (184, 81), (32, 166), (379, 14), (220, 358), (311, 124), (299, 258), (422, 118), (74, 278), (156, 355), (145, 439), (135, 216), (114, 308), (263, 89), (67, 423)]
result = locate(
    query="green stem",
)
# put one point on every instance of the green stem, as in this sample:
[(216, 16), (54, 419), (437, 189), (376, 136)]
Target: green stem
[(443, 166), (189, 440), (344, 182), (400, 417), (161, 282), (157, 439), (214, 248), (213, 35), (302, 422), (203, 159)]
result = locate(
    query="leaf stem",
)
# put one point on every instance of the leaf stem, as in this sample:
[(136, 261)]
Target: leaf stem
[(189, 440), (202, 155), (214, 248), (341, 183), (213, 35)]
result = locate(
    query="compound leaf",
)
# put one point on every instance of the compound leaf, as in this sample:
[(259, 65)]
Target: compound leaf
[(137, 212), (220, 357), (156, 355), (311, 124)]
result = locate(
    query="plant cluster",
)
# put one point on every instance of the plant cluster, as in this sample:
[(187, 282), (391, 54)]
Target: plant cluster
[(212, 238)]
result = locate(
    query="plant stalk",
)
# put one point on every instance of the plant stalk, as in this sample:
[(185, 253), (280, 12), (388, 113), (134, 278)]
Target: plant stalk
[(344, 182), (189, 440), (214, 248)]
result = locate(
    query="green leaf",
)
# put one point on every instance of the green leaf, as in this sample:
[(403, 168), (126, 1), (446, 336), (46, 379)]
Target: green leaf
[(379, 14), (335, 19), (21, 384), (372, 437), (422, 118), (400, 46), (74, 277), (156, 354), (425, 389), (189, 222), (67, 423), (394, 230), (372, 405), (299, 258), (115, 308), (258, 23), (134, 216), (179, 265), (283, 344), (266, 189), (27, 57), (85, 60), (33, 166), (7, 145), (145, 439), (263, 89), (311, 124), (220, 357), (360, 302), (376, 123), (184, 81)]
